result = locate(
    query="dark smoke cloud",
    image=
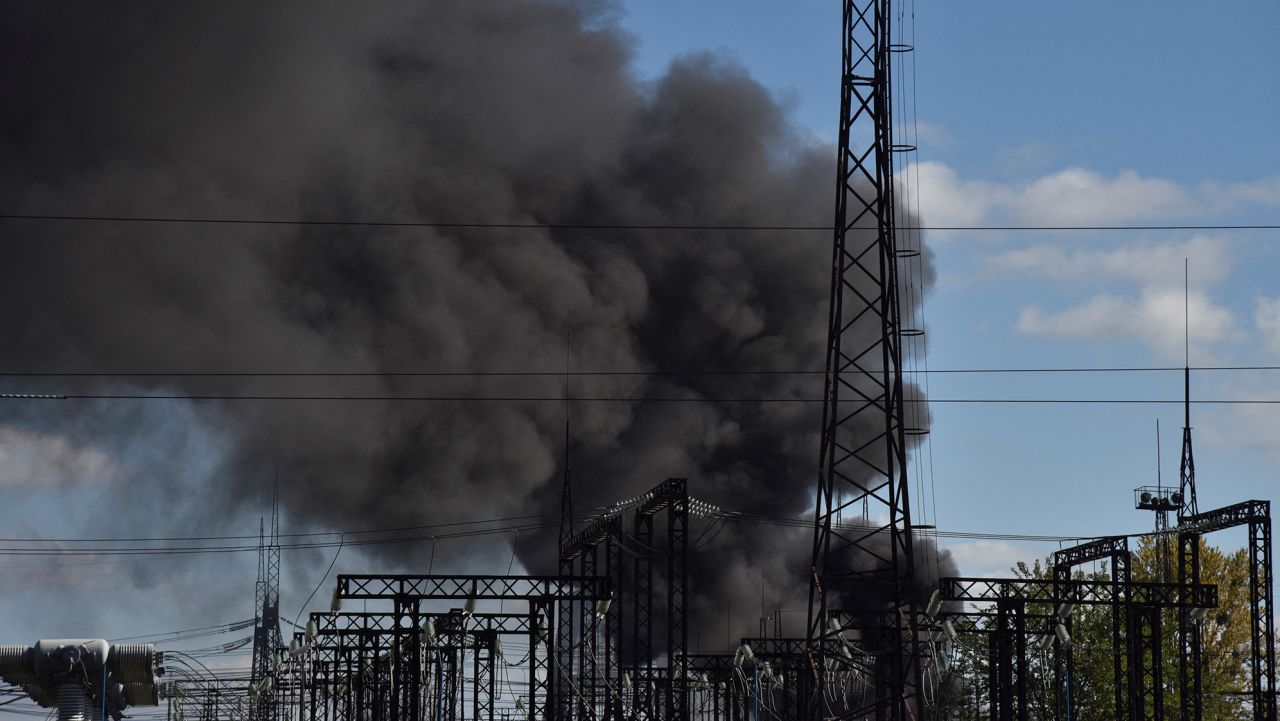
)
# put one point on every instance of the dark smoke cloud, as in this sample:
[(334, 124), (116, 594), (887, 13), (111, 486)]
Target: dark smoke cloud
[(451, 111)]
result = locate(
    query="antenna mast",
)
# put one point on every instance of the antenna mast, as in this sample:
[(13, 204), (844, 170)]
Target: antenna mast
[(1187, 471)]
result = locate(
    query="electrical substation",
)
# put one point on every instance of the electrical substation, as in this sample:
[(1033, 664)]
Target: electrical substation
[(609, 636)]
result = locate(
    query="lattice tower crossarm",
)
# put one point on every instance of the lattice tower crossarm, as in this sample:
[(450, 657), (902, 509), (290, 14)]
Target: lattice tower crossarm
[(862, 459)]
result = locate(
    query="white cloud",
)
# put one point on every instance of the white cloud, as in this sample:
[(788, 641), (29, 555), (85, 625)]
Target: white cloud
[(1266, 316), (1151, 264), (1155, 318), (1076, 196), (1154, 314), (37, 459), (944, 199)]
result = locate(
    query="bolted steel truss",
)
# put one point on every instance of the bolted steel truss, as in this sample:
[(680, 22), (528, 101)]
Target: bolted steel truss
[(1077, 590), (540, 593), (862, 458), (1115, 549), (1262, 683)]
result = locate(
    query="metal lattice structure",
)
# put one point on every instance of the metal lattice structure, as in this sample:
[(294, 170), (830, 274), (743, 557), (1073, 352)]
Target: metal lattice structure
[(1079, 591), (862, 461), (1256, 515), (1116, 550), (595, 640), (266, 629)]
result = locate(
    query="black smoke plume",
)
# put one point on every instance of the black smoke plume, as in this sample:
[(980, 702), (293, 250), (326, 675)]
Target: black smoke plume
[(451, 111)]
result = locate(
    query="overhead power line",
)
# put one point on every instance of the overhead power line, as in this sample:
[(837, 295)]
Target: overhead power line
[(613, 399), (590, 374), (590, 226)]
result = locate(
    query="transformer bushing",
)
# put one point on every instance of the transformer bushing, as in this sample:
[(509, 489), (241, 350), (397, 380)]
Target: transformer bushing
[(83, 678)]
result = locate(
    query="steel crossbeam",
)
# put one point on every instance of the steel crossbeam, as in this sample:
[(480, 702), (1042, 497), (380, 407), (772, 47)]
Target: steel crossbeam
[(1081, 591), (409, 586), (386, 622)]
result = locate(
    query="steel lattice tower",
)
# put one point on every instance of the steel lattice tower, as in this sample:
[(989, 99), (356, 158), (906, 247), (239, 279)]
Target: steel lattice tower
[(266, 629), (862, 466)]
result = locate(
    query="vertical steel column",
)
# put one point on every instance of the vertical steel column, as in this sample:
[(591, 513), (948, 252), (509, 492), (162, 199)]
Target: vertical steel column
[(994, 691), (1011, 631), (613, 621), (1063, 658), (1121, 580), (1190, 664), (563, 663), (1146, 664), (1262, 638), (643, 628), (482, 675), (542, 656), (677, 581), (587, 633), (400, 615)]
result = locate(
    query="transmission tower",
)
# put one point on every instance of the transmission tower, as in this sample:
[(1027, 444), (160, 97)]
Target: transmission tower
[(266, 629), (862, 466)]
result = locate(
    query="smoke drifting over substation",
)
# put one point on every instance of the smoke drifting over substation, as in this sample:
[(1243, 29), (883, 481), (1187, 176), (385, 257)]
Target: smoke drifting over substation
[(449, 111)]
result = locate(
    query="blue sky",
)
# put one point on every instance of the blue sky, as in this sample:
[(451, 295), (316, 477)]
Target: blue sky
[(1063, 114)]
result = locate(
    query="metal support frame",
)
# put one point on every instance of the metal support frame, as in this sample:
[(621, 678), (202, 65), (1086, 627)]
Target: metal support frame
[(862, 459), (588, 636), (600, 678), (1083, 591), (1115, 549), (1011, 659), (1143, 603), (613, 636), (435, 587), (541, 593), (1262, 682), (643, 701), (1146, 664), (266, 629), (1190, 658)]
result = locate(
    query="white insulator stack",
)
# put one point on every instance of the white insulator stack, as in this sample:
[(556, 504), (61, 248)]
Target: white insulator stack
[(72, 702)]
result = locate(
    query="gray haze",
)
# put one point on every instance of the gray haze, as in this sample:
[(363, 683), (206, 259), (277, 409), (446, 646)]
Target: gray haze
[(448, 111)]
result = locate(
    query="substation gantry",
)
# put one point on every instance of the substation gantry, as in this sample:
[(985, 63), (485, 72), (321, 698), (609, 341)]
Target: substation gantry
[(1256, 515), (1142, 603), (616, 677)]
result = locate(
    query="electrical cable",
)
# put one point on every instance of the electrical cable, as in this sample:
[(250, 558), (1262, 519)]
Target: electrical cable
[(593, 374), (323, 578), (592, 226), (627, 399)]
